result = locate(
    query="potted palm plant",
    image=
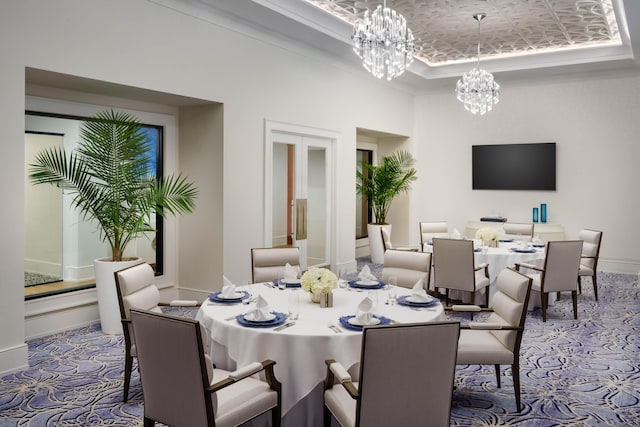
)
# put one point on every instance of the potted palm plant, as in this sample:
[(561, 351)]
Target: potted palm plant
[(113, 183), (380, 184)]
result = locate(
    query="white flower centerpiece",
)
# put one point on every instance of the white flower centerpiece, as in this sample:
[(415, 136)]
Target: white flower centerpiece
[(318, 281), (489, 236)]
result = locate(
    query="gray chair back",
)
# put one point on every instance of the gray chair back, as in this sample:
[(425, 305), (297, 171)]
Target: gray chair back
[(267, 264), (406, 374), (431, 229), (453, 264), (407, 267), (518, 231), (509, 306), (173, 370), (590, 248), (561, 266)]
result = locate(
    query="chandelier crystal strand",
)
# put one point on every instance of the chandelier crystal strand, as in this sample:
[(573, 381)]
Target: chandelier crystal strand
[(384, 42), (477, 89)]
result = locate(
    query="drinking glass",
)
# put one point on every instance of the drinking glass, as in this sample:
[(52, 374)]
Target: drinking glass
[(281, 284), (294, 304), (342, 282)]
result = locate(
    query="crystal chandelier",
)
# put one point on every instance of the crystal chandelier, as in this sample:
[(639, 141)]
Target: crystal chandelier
[(477, 89), (383, 42)]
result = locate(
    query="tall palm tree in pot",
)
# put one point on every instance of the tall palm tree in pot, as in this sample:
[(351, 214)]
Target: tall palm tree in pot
[(381, 184), (112, 183)]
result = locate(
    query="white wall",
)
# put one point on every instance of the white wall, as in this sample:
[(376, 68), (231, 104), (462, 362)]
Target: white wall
[(139, 44), (594, 122)]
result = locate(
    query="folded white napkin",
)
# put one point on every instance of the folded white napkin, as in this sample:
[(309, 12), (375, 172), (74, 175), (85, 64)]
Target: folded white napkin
[(262, 311), (363, 312), (418, 294), (455, 234), (365, 274), (228, 288), (290, 272)]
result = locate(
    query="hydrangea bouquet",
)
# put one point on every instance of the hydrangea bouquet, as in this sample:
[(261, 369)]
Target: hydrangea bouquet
[(487, 233), (318, 280)]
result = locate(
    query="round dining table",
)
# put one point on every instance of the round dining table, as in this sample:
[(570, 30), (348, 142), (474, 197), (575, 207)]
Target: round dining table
[(300, 350), (506, 254)]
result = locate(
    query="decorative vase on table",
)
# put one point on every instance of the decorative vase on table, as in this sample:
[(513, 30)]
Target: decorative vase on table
[(318, 281)]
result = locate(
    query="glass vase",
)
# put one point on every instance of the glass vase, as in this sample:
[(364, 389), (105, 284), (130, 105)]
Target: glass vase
[(535, 214), (543, 212)]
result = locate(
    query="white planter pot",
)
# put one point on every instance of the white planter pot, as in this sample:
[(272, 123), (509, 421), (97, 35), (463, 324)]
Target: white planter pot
[(107, 296), (376, 249)]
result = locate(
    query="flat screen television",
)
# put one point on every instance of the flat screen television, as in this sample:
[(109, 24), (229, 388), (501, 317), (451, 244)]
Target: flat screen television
[(514, 166)]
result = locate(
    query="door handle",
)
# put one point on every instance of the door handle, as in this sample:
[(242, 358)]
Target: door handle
[(301, 219)]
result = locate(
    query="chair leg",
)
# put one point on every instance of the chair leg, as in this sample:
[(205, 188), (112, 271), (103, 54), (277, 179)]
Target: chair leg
[(574, 297), (595, 285), (128, 366), (276, 416), (515, 374), (580, 284), (544, 297), (446, 297), (498, 375), (486, 296), (148, 422), (326, 417)]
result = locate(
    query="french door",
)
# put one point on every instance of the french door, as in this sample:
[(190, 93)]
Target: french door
[(299, 200)]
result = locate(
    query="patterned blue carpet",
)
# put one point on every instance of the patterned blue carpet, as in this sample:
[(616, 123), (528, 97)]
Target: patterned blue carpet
[(573, 373)]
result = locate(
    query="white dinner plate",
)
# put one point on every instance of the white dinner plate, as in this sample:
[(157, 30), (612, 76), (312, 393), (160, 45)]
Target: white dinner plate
[(249, 317), (235, 295), (291, 281), (367, 282), (354, 321), (412, 299)]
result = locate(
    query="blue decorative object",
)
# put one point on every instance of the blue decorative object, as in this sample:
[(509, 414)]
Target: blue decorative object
[(535, 214), (543, 212)]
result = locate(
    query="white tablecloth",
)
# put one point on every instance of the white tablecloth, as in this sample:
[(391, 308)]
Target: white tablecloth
[(300, 350), (498, 259)]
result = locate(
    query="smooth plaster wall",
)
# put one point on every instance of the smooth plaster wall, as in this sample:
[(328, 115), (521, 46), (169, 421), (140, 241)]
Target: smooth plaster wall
[(594, 122), (141, 44)]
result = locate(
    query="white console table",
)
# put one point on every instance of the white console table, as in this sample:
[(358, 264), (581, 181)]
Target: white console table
[(544, 230)]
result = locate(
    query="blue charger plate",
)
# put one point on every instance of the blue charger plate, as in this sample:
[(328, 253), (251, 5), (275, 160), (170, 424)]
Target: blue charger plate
[(278, 320), (403, 301), (353, 284), (215, 297), (524, 251), (288, 285), (344, 321)]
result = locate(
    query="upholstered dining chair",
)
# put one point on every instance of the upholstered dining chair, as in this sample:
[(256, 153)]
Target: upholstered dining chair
[(431, 229), (407, 267), (518, 231), (589, 259), (497, 341), (406, 378), (267, 264), (454, 268), (135, 289), (387, 244), (181, 387), (558, 273)]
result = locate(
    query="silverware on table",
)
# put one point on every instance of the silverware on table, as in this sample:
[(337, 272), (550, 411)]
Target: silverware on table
[(334, 328), (286, 325), (231, 317)]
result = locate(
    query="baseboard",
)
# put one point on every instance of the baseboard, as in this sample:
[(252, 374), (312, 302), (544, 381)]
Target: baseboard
[(619, 266), (49, 315), (13, 359)]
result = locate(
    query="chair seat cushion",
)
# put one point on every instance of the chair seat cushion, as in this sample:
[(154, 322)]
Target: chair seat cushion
[(341, 405), (481, 347), (242, 401)]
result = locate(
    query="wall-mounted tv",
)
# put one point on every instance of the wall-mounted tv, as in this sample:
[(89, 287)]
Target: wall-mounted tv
[(514, 166)]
